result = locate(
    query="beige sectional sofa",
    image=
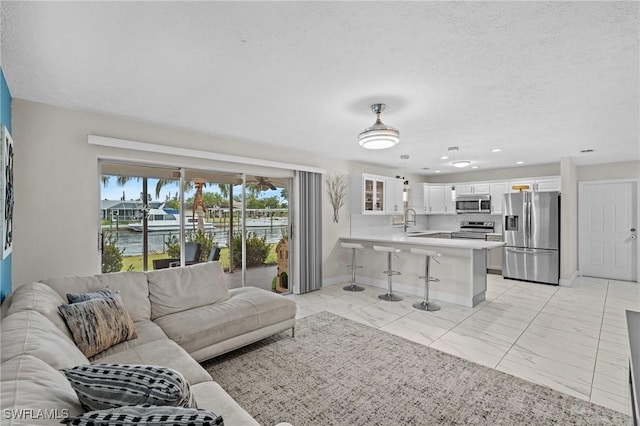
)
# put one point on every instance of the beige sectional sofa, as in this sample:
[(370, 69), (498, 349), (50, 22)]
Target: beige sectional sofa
[(181, 316)]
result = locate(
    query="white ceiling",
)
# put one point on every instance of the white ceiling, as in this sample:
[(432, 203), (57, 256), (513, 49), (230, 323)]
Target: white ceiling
[(541, 80)]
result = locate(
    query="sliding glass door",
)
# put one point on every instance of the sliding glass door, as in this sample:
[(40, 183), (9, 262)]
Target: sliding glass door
[(157, 217)]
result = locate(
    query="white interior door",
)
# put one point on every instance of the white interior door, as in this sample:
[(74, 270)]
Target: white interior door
[(608, 222)]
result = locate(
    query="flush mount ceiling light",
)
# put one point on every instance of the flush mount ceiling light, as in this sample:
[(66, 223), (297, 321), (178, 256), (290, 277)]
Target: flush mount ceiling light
[(379, 135), (459, 163)]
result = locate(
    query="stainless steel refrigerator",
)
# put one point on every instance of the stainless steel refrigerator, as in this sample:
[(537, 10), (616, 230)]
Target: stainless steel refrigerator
[(531, 229)]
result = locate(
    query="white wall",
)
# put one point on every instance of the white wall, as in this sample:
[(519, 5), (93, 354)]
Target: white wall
[(495, 174), (57, 183), (623, 170), (568, 222)]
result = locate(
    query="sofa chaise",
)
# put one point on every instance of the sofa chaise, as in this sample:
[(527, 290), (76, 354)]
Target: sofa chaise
[(182, 316)]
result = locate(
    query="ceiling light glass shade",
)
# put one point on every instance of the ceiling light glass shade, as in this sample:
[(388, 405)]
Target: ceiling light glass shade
[(461, 163), (379, 135)]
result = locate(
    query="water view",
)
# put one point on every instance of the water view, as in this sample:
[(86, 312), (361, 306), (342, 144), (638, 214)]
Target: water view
[(131, 242)]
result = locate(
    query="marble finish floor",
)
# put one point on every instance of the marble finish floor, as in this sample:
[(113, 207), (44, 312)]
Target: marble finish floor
[(572, 339)]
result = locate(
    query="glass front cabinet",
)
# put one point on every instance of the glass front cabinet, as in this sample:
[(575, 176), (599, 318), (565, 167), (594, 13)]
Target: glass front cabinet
[(368, 194)]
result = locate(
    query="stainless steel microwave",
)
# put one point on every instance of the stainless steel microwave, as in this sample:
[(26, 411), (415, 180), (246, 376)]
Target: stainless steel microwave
[(473, 203)]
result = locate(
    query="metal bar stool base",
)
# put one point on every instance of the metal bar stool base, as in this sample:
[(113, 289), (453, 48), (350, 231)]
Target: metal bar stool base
[(353, 287), (390, 297), (428, 306)]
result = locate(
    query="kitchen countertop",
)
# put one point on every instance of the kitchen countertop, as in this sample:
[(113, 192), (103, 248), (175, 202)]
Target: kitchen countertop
[(402, 238)]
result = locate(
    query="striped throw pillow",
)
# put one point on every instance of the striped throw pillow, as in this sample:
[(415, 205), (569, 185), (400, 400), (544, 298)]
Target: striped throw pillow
[(148, 415), (98, 324), (105, 386)]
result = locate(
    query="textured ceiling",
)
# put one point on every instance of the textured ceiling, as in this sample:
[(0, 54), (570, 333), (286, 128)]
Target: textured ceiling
[(541, 80)]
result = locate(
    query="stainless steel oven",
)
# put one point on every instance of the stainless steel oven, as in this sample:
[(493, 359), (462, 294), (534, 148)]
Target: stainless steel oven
[(473, 230)]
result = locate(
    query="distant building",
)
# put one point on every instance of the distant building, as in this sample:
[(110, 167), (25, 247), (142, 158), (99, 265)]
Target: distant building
[(124, 210)]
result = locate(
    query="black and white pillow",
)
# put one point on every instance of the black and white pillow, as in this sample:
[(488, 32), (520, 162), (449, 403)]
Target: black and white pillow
[(98, 324), (105, 386), (148, 415), (83, 297)]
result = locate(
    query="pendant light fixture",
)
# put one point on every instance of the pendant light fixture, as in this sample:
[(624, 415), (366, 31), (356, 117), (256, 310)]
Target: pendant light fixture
[(379, 135), (457, 164)]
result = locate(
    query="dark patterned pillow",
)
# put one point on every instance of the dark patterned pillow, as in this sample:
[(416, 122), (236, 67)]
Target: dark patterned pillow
[(83, 297), (148, 415), (98, 324), (104, 386)]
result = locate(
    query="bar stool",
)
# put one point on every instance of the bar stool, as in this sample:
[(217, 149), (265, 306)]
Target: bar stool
[(390, 297), (353, 266), (426, 305)]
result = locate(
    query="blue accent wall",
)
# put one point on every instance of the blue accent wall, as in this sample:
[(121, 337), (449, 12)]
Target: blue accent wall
[(5, 119)]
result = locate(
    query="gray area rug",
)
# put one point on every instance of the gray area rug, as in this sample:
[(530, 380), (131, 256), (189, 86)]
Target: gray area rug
[(339, 372)]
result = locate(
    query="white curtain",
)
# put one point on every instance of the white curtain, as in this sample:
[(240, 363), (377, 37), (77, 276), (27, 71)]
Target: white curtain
[(310, 231)]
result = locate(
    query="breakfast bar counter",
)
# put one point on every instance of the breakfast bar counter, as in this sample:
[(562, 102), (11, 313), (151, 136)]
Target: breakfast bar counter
[(462, 269)]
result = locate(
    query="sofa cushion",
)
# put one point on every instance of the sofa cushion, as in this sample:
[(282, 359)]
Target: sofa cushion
[(133, 288), (105, 386), (247, 309), (179, 289), (161, 352), (146, 331), (148, 415), (211, 396), (42, 298), (83, 297), (30, 333), (98, 324), (41, 391)]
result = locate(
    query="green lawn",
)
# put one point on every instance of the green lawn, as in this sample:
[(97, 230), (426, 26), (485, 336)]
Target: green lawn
[(135, 262)]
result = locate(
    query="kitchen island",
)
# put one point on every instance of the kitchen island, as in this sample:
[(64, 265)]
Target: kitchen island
[(462, 269)]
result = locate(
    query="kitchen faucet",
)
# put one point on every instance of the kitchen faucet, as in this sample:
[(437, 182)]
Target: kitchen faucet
[(406, 218)]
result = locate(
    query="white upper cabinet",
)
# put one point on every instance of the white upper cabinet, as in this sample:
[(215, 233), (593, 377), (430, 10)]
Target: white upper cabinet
[(449, 201), (472, 188), (371, 194), (393, 196), (497, 190), (436, 199), (428, 198), (538, 184), (419, 198), (367, 194)]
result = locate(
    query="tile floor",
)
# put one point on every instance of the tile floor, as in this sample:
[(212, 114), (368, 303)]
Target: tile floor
[(572, 339)]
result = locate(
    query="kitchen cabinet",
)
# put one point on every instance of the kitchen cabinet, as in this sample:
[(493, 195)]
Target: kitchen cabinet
[(494, 255), (367, 194), (538, 185), (472, 188), (436, 199), (497, 190), (393, 196), (428, 198), (419, 198), (449, 200)]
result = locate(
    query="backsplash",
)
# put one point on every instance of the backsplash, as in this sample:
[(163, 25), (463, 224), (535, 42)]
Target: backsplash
[(452, 222), (381, 224)]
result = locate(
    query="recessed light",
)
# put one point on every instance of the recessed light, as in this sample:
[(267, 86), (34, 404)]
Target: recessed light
[(437, 171), (461, 163), (474, 167), (444, 157), (587, 151), (425, 168), (519, 162), (496, 150)]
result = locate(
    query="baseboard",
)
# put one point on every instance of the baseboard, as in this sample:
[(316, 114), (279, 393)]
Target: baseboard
[(569, 282), (336, 280)]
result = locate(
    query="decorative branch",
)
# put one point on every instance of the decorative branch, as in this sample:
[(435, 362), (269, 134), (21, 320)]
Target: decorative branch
[(337, 190)]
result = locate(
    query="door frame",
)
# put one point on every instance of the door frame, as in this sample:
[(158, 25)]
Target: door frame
[(581, 186)]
